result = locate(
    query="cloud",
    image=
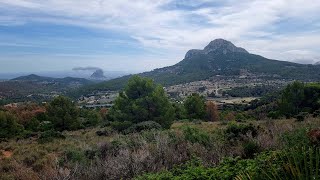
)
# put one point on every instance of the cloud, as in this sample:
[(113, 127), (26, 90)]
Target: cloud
[(86, 69), (178, 25)]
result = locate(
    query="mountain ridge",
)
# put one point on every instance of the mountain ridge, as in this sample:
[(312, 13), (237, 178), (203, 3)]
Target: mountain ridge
[(219, 58)]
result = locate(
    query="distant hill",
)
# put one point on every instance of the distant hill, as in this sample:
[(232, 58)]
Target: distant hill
[(32, 77), (219, 58), (39, 87), (317, 63), (67, 81)]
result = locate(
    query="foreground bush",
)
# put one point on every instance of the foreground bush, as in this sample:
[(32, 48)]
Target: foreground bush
[(121, 125), (293, 164), (240, 131), (8, 126), (195, 135), (147, 125)]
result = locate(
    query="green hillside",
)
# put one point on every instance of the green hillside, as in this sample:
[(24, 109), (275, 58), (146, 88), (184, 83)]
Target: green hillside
[(221, 58)]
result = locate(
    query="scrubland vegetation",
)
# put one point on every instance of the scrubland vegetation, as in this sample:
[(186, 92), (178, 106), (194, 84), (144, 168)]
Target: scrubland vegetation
[(146, 136)]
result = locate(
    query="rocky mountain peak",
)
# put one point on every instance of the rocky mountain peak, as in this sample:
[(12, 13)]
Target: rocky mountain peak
[(224, 45), (217, 45), (98, 74)]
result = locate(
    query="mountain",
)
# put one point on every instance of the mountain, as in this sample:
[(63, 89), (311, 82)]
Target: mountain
[(98, 75), (38, 87), (219, 58), (32, 77), (317, 63), (63, 81)]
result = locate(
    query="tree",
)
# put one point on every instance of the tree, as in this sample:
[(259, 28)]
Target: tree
[(212, 111), (195, 106), (8, 125), (91, 117), (142, 100), (298, 97), (63, 114), (291, 99), (180, 111)]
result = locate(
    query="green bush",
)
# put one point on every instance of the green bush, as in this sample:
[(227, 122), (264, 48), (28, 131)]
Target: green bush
[(106, 132), (121, 126), (195, 135), (250, 148), (294, 164), (301, 116), (295, 138), (49, 136), (91, 117), (316, 113), (274, 115), (239, 131), (147, 125), (9, 127), (74, 156), (228, 169), (33, 125), (45, 126)]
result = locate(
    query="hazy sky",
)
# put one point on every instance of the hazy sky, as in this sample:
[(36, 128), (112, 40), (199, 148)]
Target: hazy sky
[(138, 35)]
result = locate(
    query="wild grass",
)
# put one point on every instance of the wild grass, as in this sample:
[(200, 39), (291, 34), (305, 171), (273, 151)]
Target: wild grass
[(84, 155)]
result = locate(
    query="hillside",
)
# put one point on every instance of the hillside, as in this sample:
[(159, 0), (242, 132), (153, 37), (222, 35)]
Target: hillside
[(34, 87), (219, 58)]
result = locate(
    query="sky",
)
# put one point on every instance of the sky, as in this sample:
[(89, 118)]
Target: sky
[(141, 35)]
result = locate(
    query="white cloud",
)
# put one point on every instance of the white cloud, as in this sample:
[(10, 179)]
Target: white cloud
[(250, 23)]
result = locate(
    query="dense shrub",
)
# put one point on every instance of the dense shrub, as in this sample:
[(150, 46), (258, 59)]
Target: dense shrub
[(250, 148), (32, 125), (147, 125), (195, 135), (121, 126), (295, 163), (91, 118), (228, 169), (316, 113), (8, 126), (274, 115), (180, 111), (74, 155), (45, 126), (105, 132), (301, 116), (240, 131), (49, 136), (297, 97), (295, 138)]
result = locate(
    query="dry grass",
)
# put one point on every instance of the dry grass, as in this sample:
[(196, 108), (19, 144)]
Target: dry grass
[(134, 154)]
